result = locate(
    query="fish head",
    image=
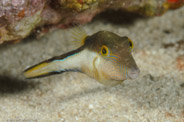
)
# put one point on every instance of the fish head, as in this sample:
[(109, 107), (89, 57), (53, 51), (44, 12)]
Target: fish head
[(114, 61)]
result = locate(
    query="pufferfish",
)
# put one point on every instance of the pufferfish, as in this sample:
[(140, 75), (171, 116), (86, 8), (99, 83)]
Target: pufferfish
[(103, 56)]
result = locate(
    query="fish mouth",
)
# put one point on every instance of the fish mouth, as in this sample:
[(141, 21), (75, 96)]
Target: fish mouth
[(133, 73)]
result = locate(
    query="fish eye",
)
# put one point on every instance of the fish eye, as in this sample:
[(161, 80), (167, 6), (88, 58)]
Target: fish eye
[(104, 50), (131, 44)]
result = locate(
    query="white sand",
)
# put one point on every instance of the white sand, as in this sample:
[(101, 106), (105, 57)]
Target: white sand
[(157, 95)]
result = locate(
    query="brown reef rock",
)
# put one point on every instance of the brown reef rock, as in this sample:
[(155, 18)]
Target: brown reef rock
[(19, 18)]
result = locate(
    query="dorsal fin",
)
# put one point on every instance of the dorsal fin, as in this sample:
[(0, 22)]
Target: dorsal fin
[(79, 35)]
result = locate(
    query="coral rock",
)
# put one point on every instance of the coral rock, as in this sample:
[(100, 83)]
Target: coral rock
[(18, 18)]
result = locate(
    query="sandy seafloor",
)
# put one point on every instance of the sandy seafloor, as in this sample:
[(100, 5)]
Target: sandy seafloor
[(157, 95)]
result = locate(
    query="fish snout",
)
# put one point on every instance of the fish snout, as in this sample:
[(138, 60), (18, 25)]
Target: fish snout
[(133, 73)]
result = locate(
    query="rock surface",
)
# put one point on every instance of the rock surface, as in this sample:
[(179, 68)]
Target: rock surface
[(18, 18)]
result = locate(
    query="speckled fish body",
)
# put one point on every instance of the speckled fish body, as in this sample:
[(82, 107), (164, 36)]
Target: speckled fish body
[(104, 56)]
